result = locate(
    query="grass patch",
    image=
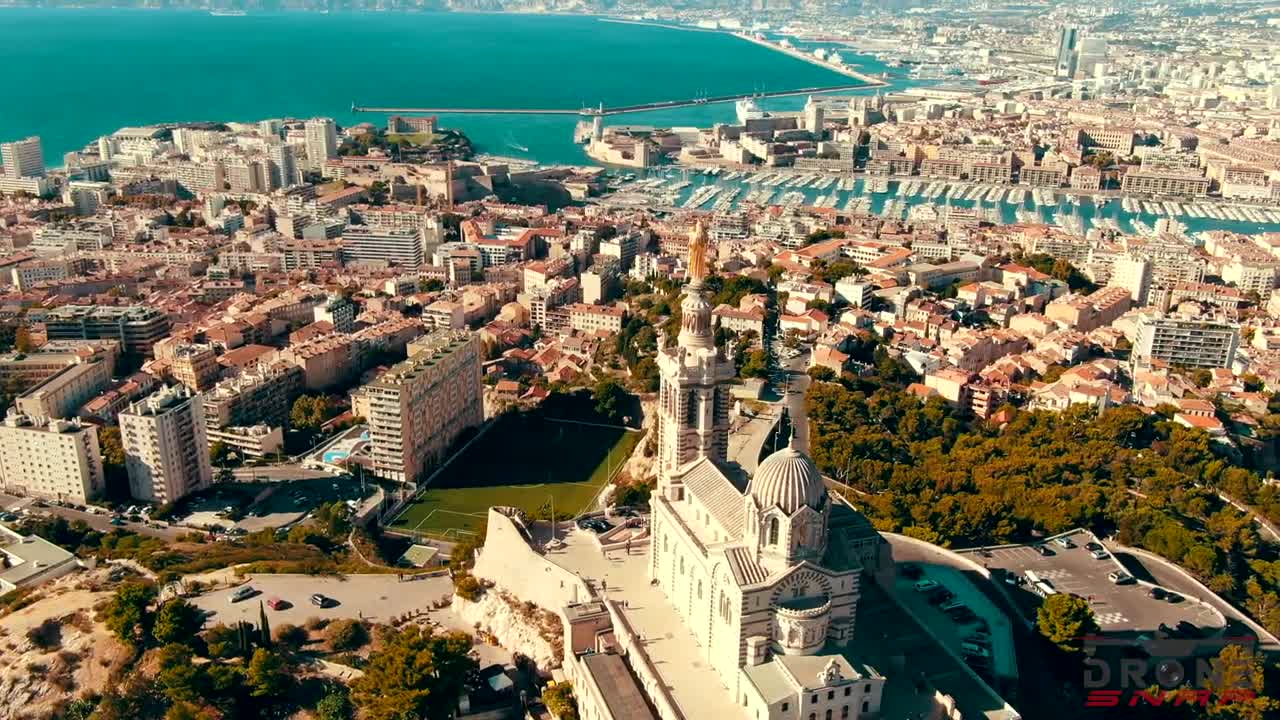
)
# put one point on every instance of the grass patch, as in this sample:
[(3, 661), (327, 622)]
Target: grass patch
[(524, 462), (415, 139)]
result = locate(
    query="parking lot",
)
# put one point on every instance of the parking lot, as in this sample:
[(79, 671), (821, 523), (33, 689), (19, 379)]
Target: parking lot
[(1117, 607), (986, 619), (368, 597)]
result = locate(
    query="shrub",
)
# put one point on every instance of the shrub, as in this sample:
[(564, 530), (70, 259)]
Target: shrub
[(346, 635), (291, 637), (47, 635), (468, 587)]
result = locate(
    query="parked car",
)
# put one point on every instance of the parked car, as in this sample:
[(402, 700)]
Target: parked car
[(951, 605), (1064, 543), (961, 614), (1156, 593), (1172, 597), (968, 648), (1091, 545), (925, 586), (117, 521), (1120, 577), (321, 601), (940, 595), (276, 603), (243, 592), (1044, 551), (596, 525), (1099, 554), (910, 570)]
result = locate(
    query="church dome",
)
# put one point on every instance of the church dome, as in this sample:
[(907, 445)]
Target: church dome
[(790, 480)]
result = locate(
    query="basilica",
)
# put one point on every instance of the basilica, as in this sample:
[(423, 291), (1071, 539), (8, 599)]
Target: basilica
[(765, 576)]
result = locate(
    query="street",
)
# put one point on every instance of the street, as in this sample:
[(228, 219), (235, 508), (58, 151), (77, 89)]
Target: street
[(101, 523)]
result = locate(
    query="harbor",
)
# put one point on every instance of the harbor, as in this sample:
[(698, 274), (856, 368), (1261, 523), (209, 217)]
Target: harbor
[(922, 199)]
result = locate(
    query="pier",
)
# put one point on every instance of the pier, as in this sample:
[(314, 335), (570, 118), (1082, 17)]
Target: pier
[(603, 111)]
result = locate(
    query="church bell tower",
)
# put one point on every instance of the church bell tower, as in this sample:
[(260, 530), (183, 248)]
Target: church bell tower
[(693, 398)]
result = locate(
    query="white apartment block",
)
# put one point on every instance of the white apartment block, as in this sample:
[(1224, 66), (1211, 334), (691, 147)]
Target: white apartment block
[(1185, 342), (420, 406), (322, 142), (23, 158), (165, 445), (58, 460)]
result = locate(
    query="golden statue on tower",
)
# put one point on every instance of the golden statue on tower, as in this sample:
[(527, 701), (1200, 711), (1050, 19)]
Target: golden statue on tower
[(698, 253)]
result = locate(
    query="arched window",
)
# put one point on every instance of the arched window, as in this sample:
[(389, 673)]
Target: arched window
[(773, 531), (699, 589)]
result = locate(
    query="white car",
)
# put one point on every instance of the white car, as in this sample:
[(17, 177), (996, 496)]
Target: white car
[(1099, 555), (925, 586), (242, 593), (1064, 542)]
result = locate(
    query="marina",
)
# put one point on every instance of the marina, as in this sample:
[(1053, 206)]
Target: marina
[(925, 200)]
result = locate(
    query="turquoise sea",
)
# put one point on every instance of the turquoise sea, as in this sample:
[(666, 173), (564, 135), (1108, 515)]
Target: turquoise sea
[(72, 75)]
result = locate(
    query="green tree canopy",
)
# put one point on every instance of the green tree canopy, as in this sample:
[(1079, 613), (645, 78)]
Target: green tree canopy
[(1065, 619), (267, 674), (416, 674), (177, 621), (128, 613)]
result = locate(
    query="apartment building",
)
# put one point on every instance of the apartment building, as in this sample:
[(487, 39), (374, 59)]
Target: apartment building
[(1168, 183), (26, 369), (23, 158), (54, 459), (61, 395), (402, 247), (166, 446), (420, 406), (137, 327), (196, 366), (1184, 342), (590, 318)]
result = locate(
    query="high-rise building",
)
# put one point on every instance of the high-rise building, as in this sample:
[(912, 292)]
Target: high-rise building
[(322, 141), (1065, 64), (1091, 56), (23, 158), (420, 406), (282, 166), (165, 445), (1185, 342), (58, 459), (137, 327), (1133, 273)]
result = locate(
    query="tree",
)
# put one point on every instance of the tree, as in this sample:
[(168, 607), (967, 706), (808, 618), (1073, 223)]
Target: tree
[(22, 340), (1237, 673), (1065, 619), (757, 365), (560, 700), (219, 453), (416, 674), (127, 614), (822, 373), (266, 675), (430, 285), (346, 635), (179, 679), (291, 637), (645, 373), (264, 626), (222, 641), (611, 399), (335, 705), (177, 621)]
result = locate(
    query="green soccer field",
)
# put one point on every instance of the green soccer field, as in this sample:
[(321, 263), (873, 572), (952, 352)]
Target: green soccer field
[(526, 462)]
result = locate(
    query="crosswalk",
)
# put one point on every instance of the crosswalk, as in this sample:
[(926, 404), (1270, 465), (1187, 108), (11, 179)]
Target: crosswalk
[(1110, 618)]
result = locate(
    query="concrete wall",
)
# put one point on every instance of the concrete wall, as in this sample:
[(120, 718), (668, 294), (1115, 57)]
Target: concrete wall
[(509, 562)]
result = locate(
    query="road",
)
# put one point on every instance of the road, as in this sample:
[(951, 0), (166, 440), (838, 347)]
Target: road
[(101, 523), (278, 473)]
